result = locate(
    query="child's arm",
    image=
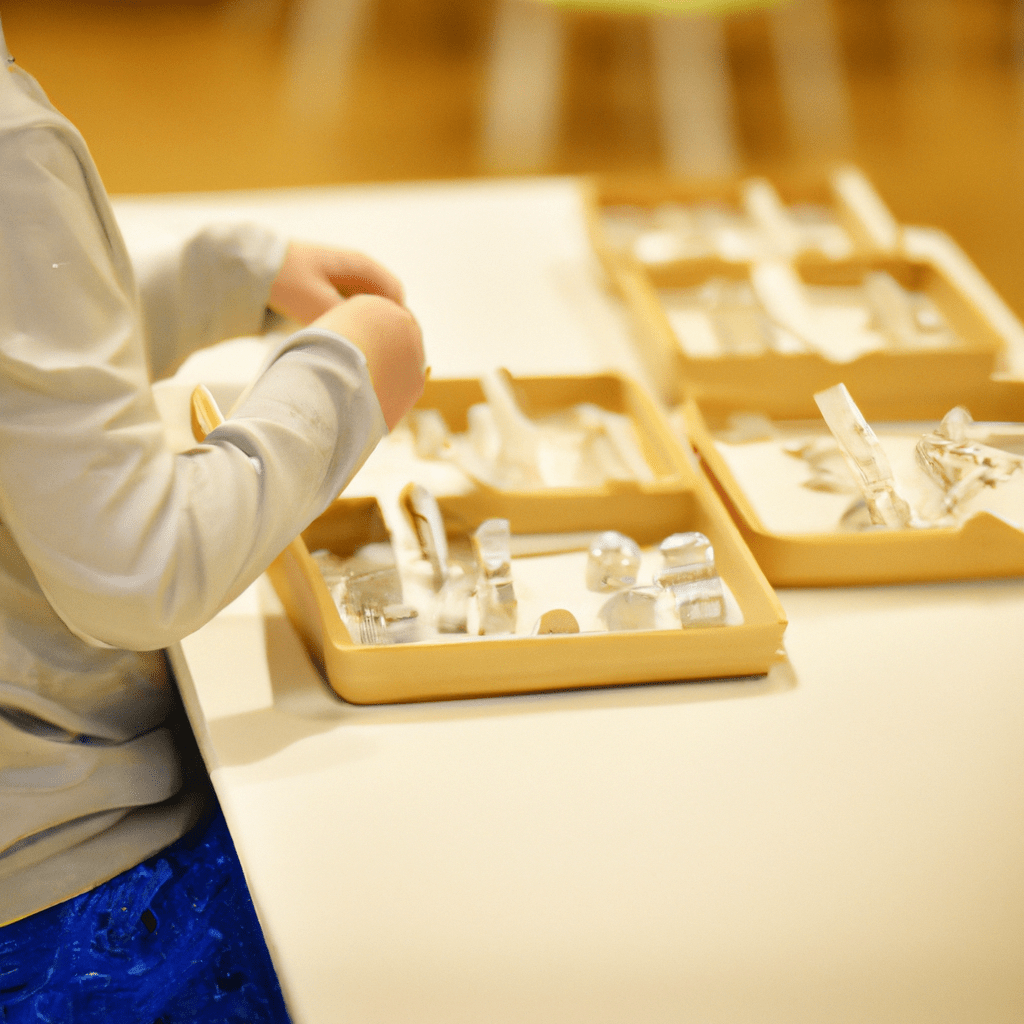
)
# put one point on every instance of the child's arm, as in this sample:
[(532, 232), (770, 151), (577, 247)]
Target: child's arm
[(133, 545), (212, 285), (219, 282)]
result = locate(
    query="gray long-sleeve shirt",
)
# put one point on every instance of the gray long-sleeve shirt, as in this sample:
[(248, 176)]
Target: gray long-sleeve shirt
[(112, 546)]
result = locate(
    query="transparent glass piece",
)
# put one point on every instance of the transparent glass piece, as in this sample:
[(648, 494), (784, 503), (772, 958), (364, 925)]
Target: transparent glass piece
[(956, 424), (741, 330), (374, 588), (492, 547), (332, 567), (770, 215), (892, 309), (738, 321), (627, 460), (481, 432), (371, 628), (783, 297), (497, 606), (700, 603), (826, 463), (422, 511), (636, 608), (598, 462), (613, 562), (520, 438), (430, 433), (401, 623), (361, 585), (679, 575), (865, 457), (685, 549), (963, 468), (451, 606)]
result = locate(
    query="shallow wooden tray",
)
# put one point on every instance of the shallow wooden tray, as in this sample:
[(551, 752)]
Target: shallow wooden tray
[(843, 190), (785, 380), (681, 499), (983, 547)]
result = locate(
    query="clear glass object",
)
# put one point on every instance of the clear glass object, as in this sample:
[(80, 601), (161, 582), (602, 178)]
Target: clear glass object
[(451, 606), (959, 464), (497, 606), (892, 309), (700, 603), (688, 557), (520, 437), (492, 542), (401, 623), (688, 548), (362, 587), (828, 468), (423, 512), (613, 562), (430, 433), (635, 608), (865, 457)]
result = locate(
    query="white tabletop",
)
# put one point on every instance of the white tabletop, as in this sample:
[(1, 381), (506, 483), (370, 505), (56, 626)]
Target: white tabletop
[(842, 841)]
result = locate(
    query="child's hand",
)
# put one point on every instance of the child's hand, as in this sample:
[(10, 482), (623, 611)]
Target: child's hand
[(390, 338), (314, 278)]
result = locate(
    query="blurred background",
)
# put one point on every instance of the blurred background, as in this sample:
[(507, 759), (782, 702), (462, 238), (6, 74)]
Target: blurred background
[(927, 96)]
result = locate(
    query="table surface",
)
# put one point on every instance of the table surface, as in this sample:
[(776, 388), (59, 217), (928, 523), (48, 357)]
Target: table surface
[(840, 841)]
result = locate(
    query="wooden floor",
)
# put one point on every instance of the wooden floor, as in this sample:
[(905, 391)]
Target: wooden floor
[(201, 96)]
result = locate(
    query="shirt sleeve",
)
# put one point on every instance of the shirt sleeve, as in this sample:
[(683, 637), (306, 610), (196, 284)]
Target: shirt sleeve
[(211, 286), (133, 545)]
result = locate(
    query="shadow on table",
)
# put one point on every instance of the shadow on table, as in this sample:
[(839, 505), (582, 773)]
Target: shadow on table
[(304, 705)]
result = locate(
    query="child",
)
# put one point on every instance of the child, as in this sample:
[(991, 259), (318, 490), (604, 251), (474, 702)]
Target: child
[(112, 546)]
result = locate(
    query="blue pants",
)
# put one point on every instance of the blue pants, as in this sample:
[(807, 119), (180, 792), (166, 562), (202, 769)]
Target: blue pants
[(174, 940)]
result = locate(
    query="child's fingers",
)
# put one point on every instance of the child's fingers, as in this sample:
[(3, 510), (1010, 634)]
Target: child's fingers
[(353, 273)]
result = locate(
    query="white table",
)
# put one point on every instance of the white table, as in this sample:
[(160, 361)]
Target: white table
[(842, 841)]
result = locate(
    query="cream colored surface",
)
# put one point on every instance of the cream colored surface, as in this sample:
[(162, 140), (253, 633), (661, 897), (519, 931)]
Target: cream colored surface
[(841, 841)]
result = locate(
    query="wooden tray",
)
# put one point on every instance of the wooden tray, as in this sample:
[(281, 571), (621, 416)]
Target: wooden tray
[(984, 546), (843, 194), (783, 381), (442, 668)]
